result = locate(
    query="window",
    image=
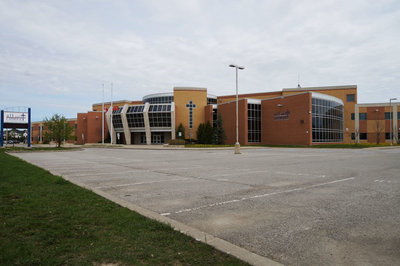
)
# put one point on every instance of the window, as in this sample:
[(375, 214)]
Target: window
[(327, 120), (363, 136), (190, 105), (351, 97), (161, 99), (214, 117), (387, 135), (387, 115), (211, 101), (116, 117), (352, 116), (353, 136), (134, 116), (363, 116), (117, 121), (160, 115), (253, 123)]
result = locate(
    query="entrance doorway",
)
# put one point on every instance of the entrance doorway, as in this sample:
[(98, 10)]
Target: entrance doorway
[(157, 138)]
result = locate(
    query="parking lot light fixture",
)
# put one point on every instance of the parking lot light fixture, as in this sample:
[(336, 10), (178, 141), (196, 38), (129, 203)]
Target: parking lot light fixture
[(237, 145)]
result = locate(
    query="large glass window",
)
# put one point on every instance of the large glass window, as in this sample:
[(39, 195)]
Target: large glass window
[(160, 99), (116, 118), (211, 100), (327, 120), (134, 115), (363, 136), (160, 115), (253, 122)]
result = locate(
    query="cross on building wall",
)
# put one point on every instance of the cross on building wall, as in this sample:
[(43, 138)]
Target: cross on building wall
[(190, 105)]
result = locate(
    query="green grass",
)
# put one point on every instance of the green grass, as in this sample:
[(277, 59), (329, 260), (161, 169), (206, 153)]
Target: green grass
[(46, 220), (338, 146), (34, 149)]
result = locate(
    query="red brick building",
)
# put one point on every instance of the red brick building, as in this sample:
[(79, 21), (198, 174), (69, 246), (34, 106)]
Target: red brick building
[(294, 116)]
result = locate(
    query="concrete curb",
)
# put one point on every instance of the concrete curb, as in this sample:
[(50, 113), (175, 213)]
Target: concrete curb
[(206, 238)]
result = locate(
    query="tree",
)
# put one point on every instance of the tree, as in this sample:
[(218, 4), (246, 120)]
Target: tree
[(200, 133), (58, 129), (219, 132), (205, 133), (181, 129), (208, 133)]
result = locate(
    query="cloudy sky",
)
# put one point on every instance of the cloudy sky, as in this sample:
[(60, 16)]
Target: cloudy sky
[(55, 55)]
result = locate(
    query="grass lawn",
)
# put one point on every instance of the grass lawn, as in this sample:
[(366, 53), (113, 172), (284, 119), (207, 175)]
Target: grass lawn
[(47, 220), (339, 146)]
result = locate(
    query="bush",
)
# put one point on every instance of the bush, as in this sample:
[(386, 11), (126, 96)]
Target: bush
[(176, 142)]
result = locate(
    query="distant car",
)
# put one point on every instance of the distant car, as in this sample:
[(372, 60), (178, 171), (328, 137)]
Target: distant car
[(10, 141)]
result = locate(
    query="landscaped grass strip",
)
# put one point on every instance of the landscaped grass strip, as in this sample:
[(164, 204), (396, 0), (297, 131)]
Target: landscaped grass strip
[(49, 221)]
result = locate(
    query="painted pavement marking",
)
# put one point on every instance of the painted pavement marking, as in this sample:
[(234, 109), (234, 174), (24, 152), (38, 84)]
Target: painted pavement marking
[(142, 183), (257, 196)]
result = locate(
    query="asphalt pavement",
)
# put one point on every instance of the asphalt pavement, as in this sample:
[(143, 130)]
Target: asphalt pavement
[(295, 206)]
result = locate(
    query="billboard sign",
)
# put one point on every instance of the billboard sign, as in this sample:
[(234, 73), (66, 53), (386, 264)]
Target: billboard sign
[(16, 117)]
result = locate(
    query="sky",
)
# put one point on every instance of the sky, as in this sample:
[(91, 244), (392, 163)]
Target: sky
[(55, 56)]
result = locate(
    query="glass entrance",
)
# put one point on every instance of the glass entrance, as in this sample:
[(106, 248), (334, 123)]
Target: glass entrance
[(157, 138)]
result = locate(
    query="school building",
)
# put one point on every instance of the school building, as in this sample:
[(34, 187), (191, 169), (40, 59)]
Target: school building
[(298, 116)]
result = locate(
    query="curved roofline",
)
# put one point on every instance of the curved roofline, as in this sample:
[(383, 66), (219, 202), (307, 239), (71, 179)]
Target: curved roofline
[(158, 95), (211, 96), (326, 97)]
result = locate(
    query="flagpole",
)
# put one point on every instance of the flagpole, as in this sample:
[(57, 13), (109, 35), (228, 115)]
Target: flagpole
[(112, 109), (102, 119)]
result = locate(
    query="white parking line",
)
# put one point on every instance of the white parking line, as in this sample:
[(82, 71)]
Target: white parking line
[(142, 183), (265, 171), (258, 196)]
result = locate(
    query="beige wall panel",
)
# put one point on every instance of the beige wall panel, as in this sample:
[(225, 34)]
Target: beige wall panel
[(183, 97)]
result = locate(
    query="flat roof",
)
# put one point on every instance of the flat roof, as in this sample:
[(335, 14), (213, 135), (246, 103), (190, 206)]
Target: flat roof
[(251, 94), (341, 87), (119, 101), (189, 88)]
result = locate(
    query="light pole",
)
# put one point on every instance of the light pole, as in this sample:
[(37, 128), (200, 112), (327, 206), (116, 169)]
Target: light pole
[(390, 119), (102, 119), (237, 145), (112, 110)]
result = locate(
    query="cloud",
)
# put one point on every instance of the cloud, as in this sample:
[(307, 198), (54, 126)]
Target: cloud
[(62, 52)]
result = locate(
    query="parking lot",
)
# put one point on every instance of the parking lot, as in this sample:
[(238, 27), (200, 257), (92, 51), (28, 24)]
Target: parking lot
[(294, 206)]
